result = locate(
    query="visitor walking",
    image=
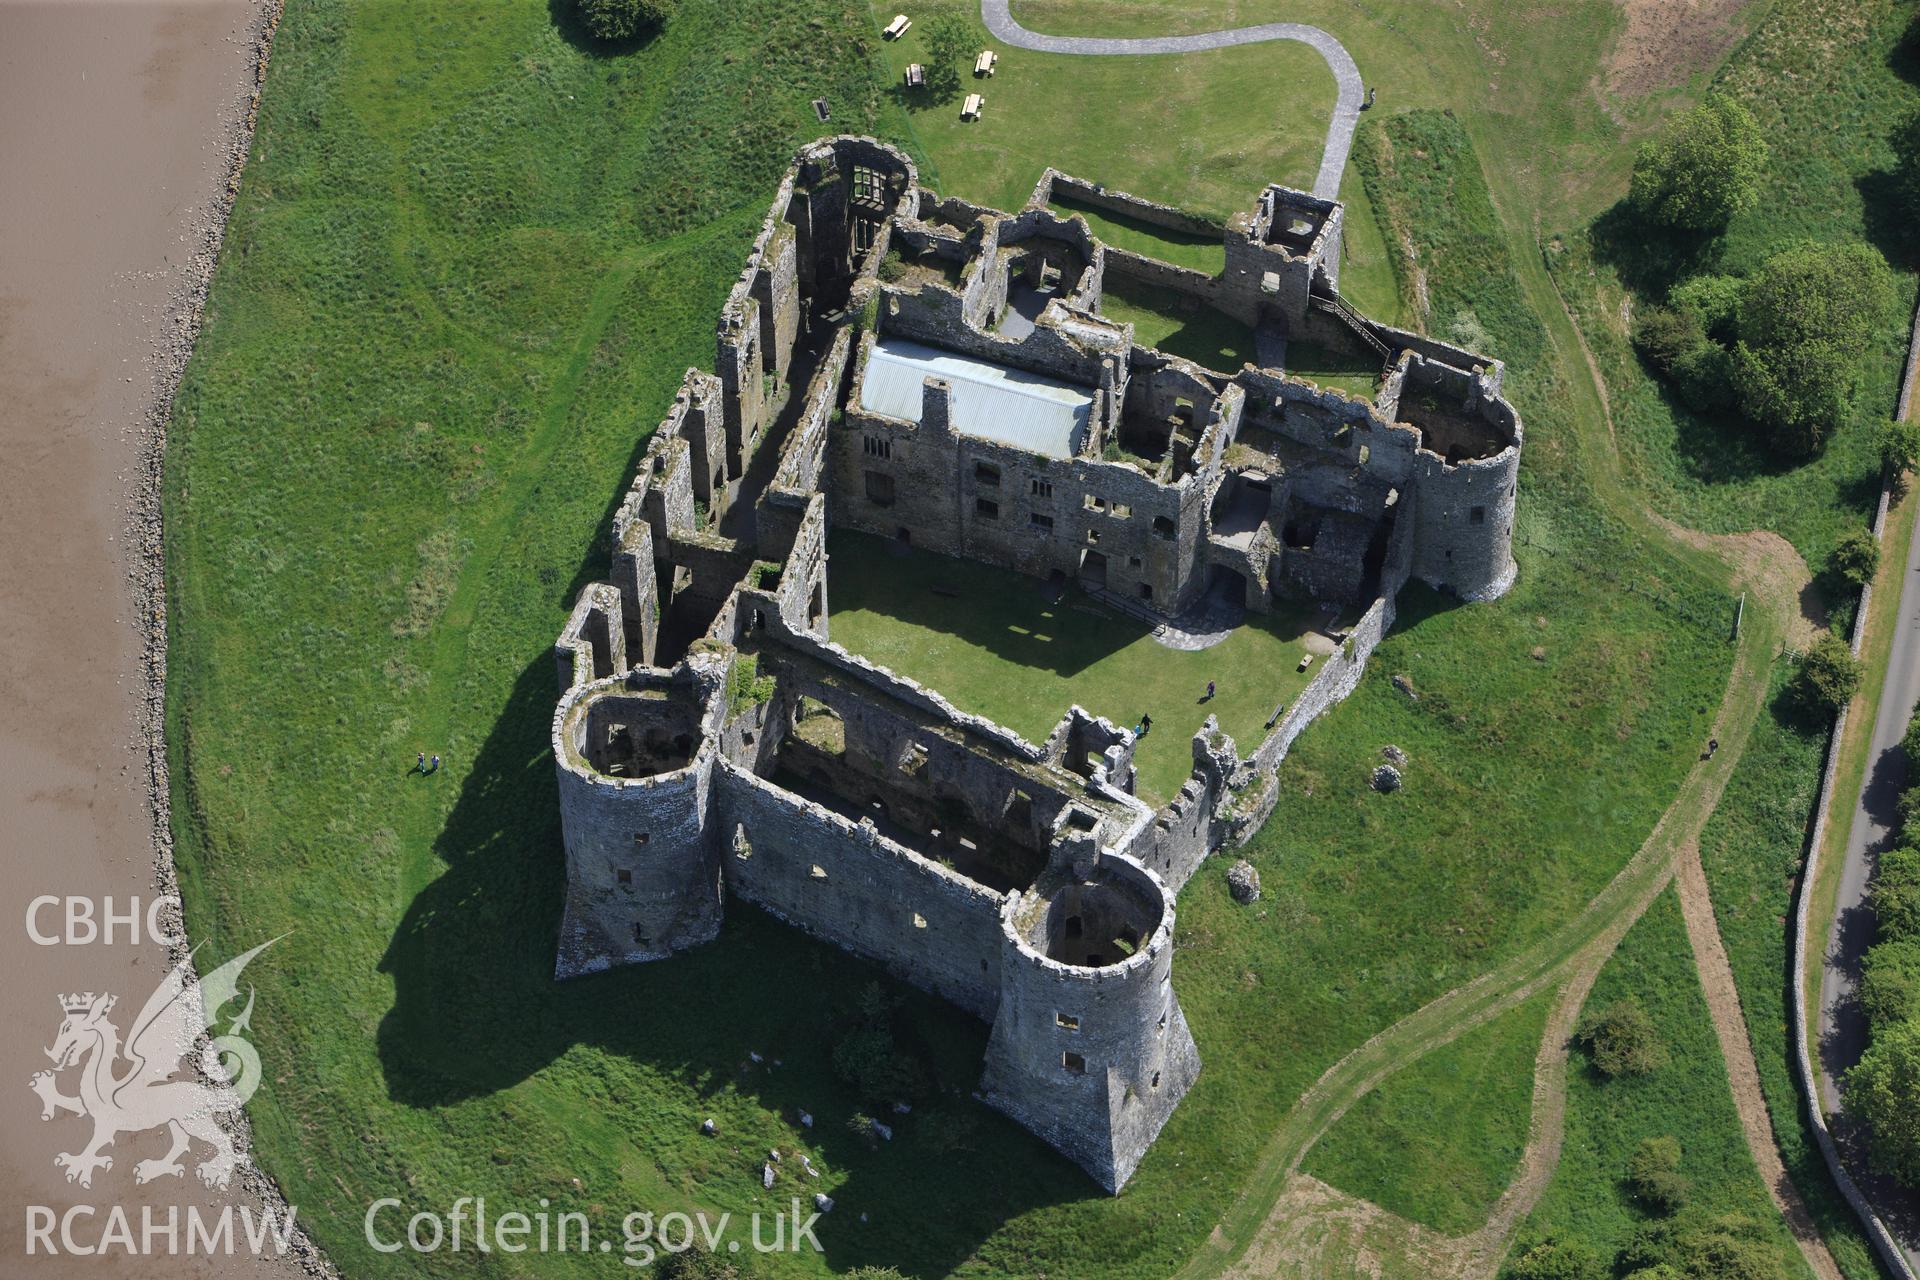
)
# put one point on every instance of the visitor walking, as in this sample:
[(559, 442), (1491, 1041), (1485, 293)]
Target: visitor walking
[(436, 765), (1209, 697), (420, 763), (1146, 723)]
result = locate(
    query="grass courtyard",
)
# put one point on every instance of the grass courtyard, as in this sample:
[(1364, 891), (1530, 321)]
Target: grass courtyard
[(1177, 326), (992, 643)]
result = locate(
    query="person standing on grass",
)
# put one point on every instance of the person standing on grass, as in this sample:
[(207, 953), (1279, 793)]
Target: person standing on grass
[(1209, 697), (436, 765), (1146, 723), (420, 763)]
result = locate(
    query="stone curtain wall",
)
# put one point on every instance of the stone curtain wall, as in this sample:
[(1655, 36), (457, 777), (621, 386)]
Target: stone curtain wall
[(924, 923)]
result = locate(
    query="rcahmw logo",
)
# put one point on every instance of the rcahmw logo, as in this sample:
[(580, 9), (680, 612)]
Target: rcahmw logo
[(177, 1069)]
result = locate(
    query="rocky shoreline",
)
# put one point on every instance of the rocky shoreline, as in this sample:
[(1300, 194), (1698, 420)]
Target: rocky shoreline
[(145, 540)]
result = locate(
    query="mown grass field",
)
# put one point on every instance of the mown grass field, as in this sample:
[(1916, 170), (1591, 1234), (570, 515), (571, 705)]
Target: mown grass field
[(1438, 1142), (1588, 1202), (992, 642), (470, 260)]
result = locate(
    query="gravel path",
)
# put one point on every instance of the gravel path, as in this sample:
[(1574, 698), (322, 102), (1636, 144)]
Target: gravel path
[(1346, 76)]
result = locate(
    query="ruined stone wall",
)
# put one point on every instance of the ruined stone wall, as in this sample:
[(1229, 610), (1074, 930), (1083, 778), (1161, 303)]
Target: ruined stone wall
[(927, 925), (593, 643), (1054, 185), (714, 566), (934, 316)]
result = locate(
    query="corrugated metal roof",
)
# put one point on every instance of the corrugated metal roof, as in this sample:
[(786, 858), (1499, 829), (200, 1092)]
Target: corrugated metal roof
[(1041, 415)]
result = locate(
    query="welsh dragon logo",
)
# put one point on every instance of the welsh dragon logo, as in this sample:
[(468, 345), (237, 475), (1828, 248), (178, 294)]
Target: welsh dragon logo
[(141, 1086)]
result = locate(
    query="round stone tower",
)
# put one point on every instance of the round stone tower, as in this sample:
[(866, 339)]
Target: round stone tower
[(1089, 1048), (1466, 476), (643, 874)]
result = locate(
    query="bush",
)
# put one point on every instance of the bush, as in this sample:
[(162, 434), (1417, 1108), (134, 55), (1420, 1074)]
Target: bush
[(1653, 1174), (1856, 557), (869, 1059), (1676, 344), (1712, 301), (697, 1264), (1805, 320), (1890, 983), (1704, 168), (1666, 336), (614, 20), (1883, 1093), (1622, 1040), (1906, 164), (1899, 445), (1554, 1260), (1828, 678), (1698, 1247), (1896, 894)]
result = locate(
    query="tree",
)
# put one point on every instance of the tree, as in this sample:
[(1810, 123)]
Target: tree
[(1622, 1039), (614, 20), (1910, 743), (1899, 445), (1675, 342), (1653, 1173), (1890, 983), (1555, 1260), (1855, 558), (1804, 321), (1896, 894), (1704, 167), (1828, 678), (1883, 1093), (948, 41)]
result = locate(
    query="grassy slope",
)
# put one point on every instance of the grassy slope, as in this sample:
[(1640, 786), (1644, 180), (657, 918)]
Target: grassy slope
[(1532, 778), (998, 648), (1687, 1098), (1845, 90), (1438, 1142)]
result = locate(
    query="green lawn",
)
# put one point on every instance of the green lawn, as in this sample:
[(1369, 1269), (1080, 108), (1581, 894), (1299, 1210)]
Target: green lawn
[(1688, 1098), (1079, 115), (1201, 253), (1180, 327), (1439, 1141), (989, 640), (1355, 374)]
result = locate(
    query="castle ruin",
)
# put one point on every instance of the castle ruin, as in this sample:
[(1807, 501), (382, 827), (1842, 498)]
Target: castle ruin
[(931, 371)]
